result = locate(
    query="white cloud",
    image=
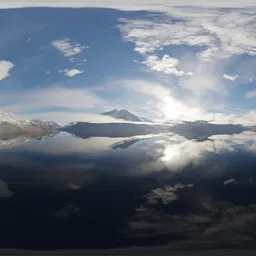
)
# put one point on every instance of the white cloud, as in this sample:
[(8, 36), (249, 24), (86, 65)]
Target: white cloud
[(220, 34), (160, 101), (71, 72), (67, 117), (68, 48), (177, 153), (251, 94), (5, 67), (229, 77), (164, 103), (53, 97), (153, 5), (167, 65), (204, 81)]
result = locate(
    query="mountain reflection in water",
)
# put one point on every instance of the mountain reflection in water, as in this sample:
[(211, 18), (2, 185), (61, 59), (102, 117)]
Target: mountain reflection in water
[(147, 190)]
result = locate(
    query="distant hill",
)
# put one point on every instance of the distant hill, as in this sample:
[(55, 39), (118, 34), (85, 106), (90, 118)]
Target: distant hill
[(201, 130)]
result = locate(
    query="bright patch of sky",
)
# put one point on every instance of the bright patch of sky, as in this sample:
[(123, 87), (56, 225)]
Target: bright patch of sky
[(157, 59)]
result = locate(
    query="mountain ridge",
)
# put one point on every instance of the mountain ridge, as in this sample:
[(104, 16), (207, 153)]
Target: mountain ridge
[(124, 114)]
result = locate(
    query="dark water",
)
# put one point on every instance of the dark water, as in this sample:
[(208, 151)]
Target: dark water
[(67, 192)]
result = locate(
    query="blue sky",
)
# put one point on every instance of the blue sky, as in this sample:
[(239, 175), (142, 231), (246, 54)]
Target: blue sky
[(159, 61)]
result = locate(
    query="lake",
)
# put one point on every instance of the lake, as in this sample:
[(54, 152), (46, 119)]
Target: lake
[(67, 192)]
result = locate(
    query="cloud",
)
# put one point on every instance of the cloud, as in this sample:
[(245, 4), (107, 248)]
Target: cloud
[(161, 100), (204, 81), (167, 65), (176, 153), (220, 34), (68, 48), (230, 181), (4, 190), (165, 195), (67, 211), (52, 97), (251, 94), (5, 67), (71, 72), (67, 117), (150, 5), (229, 77)]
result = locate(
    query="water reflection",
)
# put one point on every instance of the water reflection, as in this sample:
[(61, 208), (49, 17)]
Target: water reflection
[(143, 190)]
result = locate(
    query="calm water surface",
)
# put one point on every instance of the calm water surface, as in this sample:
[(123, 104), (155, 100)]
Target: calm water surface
[(67, 192)]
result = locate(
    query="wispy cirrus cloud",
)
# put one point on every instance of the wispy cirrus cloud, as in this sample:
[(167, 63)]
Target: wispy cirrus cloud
[(71, 72), (52, 97), (67, 47), (5, 67), (221, 34)]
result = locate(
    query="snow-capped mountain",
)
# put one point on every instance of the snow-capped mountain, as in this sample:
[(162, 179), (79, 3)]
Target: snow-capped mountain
[(11, 127), (125, 115), (70, 124), (6, 117), (51, 124)]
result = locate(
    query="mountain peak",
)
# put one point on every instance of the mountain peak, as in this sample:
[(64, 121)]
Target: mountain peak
[(125, 115), (6, 117)]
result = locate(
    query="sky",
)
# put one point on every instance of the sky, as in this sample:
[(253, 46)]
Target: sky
[(163, 60)]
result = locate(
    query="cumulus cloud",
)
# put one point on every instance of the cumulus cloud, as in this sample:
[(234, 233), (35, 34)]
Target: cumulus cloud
[(5, 67), (220, 33), (229, 77), (67, 47), (251, 94), (167, 65), (165, 195), (71, 72)]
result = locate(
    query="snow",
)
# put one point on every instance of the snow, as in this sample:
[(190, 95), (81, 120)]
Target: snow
[(125, 115)]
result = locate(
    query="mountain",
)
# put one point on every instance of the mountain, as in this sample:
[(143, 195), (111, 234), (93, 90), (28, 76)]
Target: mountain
[(201, 130), (70, 124), (17, 140), (86, 130), (50, 124), (125, 115), (126, 143), (11, 128)]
